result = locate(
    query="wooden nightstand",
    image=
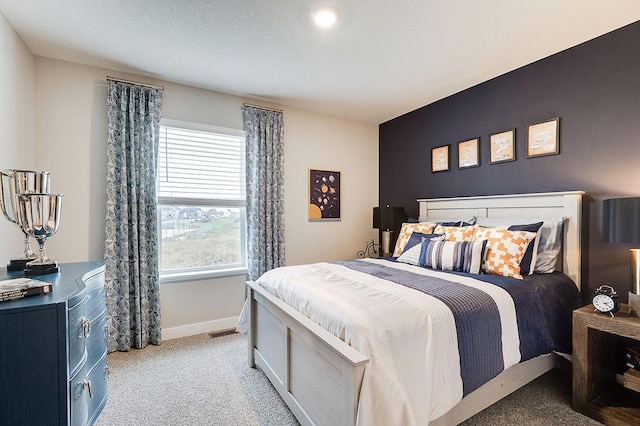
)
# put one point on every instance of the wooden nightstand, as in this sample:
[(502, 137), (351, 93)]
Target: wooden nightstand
[(595, 391)]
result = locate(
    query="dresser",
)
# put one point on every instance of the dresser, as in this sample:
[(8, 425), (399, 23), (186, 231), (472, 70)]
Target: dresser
[(53, 350)]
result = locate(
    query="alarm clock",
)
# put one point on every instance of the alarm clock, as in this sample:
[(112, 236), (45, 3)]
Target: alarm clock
[(606, 300)]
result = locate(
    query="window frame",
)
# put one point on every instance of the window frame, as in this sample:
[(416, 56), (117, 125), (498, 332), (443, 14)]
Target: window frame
[(199, 273)]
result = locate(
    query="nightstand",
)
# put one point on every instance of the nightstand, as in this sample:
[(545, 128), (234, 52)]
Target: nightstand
[(595, 390)]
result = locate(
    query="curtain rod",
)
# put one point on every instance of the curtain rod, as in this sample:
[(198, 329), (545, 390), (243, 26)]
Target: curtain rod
[(120, 80), (261, 107)]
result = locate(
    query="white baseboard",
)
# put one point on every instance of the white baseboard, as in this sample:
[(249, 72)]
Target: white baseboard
[(214, 326)]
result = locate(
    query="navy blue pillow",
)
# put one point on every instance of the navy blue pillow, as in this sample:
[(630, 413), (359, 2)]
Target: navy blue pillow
[(525, 264), (456, 223), (416, 238)]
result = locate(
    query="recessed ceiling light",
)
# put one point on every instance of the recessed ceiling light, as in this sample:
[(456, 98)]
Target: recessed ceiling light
[(325, 16)]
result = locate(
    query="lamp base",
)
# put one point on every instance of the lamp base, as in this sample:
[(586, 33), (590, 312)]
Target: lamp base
[(634, 304), (386, 243)]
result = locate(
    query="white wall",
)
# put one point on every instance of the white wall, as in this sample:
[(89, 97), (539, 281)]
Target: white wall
[(17, 129), (71, 138), (329, 143)]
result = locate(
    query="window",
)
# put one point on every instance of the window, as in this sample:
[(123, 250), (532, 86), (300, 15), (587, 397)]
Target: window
[(201, 201)]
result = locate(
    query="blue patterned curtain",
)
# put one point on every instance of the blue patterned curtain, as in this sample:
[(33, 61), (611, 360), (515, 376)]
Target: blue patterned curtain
[(131, 247), (265, 190)]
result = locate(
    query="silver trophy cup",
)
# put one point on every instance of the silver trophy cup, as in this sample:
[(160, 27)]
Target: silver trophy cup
[(12, 183), (40, 219)]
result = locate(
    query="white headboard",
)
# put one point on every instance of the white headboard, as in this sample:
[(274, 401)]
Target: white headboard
[(549, 205)]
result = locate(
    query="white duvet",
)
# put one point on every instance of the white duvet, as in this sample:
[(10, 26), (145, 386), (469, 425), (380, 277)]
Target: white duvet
[(413, 375)]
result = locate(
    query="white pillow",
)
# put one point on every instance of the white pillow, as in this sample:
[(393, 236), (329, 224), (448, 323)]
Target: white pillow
[(550, 245)]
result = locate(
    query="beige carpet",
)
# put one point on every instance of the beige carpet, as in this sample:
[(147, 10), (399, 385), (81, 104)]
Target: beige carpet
[(200, 380), (196, 380)]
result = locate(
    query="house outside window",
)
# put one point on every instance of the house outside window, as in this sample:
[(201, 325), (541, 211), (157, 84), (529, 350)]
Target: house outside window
[(201, 201)]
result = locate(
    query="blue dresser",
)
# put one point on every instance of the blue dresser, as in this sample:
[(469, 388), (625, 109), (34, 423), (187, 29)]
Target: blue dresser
[(53, 350)]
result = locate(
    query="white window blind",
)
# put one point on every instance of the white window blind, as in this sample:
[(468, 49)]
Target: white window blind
[(200, 167), (201, 201)]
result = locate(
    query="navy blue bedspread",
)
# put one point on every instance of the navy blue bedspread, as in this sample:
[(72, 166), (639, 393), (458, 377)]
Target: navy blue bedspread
[(556, 298), (543, 302)]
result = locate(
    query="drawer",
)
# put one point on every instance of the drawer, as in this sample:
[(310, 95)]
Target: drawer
[(79, 397), (77, 324), (95, 286), (98, 379), (96, 305), (96, 343)]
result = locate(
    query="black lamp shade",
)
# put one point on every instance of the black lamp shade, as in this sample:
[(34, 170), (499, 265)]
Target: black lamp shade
[(389, 218), (621, 220)]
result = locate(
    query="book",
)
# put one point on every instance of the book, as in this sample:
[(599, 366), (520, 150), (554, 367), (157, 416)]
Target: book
[(632, 354), (19, 288)]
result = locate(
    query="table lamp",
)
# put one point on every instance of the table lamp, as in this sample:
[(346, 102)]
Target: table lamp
[(389, 220), (621, 224)]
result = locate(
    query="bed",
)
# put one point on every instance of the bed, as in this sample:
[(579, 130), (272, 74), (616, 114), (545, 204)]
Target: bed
[(325, 380)]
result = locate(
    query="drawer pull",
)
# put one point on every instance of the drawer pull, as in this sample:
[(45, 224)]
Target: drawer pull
[(86, 384), (107, 372), (86, 328)]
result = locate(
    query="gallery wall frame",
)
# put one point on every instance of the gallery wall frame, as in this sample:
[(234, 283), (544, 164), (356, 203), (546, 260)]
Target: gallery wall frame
[(543, 138), (469, 153), (441, 159), (324, 195), (502, 147)]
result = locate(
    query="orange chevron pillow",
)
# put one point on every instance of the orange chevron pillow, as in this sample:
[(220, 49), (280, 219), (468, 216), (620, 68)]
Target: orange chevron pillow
[(406, 231), (505, 250), (457, 233)]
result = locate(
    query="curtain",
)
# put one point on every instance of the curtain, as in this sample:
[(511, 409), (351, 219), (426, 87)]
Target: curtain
[(131, 246), (265, 190)]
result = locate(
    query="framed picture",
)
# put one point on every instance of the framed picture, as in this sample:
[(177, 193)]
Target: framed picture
[(440, 158), (469, 153), (502, 147), (544, 138), (324, 195)]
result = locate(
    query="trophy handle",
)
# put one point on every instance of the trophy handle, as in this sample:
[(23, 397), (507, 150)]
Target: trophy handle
[(4, 174)]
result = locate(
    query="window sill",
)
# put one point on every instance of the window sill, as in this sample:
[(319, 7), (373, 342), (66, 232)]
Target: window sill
[(201, 275)]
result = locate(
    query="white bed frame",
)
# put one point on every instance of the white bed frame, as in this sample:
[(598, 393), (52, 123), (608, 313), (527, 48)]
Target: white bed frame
[(319, 376)]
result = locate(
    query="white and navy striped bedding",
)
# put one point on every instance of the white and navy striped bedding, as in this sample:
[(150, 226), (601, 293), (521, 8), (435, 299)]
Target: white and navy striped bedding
[(432, 337), (460, 256)]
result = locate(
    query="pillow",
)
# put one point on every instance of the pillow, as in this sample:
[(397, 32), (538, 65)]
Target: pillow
[(457, 233), (406, 231), (549, 239), (465, 256), (550, 245), (411, 255), (417, 238), (505, 250), (452, 223), (457, 222), (528, 263)]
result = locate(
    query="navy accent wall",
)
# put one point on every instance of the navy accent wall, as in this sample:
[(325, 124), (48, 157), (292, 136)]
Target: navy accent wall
[(595, 90)]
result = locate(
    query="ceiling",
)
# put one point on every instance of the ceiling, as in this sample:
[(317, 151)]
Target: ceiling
[(383, 59)]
